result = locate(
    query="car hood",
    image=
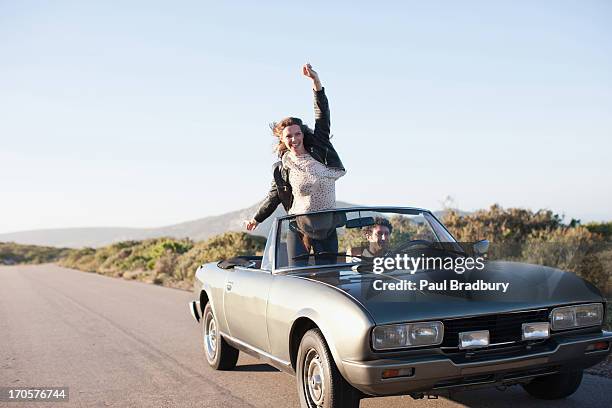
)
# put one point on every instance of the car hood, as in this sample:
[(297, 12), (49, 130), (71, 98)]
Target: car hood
[(529, 287)]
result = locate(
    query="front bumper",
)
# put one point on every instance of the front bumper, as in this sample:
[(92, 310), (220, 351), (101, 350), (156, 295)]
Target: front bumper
[(438, 373)]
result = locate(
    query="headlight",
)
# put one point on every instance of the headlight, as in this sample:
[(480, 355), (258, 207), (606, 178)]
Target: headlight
[(407, 335), (570, 317)]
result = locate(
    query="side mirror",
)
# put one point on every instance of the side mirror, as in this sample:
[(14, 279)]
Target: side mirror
[(481, 247)]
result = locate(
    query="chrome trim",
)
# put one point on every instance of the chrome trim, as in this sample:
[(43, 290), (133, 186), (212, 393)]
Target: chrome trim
[(359, 208), (530, 310), (496, 313), (502, 343), (255, 349), (242, 268), (301, 268), (272, 238), (484, 347)]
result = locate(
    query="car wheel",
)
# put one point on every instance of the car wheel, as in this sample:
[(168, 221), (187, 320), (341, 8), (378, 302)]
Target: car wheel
[(555, 386), (219, 354), (320, 384)]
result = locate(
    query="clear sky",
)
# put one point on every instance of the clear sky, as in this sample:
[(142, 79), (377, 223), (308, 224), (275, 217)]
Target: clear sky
[(149, 113)]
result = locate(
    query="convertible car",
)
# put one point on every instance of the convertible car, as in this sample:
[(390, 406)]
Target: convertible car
[(317, 305)]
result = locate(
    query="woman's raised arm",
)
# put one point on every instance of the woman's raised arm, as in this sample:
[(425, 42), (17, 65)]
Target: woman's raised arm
[(312, 74), (321, 105)]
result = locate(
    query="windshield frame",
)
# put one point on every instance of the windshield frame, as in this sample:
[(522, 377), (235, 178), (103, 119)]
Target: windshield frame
[(383, 209)]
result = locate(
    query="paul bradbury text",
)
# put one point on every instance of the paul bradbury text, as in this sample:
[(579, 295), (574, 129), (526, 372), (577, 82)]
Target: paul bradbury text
[(453, 285)]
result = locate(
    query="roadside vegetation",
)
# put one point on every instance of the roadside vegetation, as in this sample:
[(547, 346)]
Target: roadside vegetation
[(163, 261), (540, 237), (11, 254)]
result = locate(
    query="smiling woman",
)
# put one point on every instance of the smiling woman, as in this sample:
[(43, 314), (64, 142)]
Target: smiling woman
[(304, 179)]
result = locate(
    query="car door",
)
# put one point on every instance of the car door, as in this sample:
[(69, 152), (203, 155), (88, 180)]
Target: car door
[(245, 301)]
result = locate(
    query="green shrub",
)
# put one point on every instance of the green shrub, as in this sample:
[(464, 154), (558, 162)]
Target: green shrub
[(500, 225), (540, 238), (572, 249), (162, 260), (603, 229), (222, 246)]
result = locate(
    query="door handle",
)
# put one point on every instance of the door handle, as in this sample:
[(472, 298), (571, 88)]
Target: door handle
[(228, 286)]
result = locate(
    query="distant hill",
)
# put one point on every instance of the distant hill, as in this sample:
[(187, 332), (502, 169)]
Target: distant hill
[(197, 230)]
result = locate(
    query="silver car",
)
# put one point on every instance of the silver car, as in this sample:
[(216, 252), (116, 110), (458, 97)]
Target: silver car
[(317, 305)]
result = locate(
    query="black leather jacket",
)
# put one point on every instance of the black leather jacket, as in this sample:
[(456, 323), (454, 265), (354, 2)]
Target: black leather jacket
[(320, 148)]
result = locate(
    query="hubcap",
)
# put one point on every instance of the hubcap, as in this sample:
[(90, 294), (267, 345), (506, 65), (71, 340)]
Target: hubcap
[(314, 378), (210, 336)]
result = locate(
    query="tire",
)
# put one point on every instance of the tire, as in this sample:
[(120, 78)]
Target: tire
[(319, 382), (219, 354), (555, 386)]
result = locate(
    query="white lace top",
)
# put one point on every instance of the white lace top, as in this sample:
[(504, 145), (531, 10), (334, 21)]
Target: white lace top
[(313, 183)]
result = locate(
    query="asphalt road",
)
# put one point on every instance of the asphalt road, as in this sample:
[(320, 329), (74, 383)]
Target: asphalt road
[(120, 343)]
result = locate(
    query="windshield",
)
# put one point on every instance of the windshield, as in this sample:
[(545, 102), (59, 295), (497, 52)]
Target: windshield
[(349, 237)]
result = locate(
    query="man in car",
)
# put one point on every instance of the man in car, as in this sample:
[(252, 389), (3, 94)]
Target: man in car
[(378, 235)]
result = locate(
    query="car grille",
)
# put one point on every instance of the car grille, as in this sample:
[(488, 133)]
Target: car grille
[(503, 328)]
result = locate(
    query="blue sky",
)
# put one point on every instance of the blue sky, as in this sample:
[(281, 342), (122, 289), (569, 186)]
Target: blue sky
[(150, 113)]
